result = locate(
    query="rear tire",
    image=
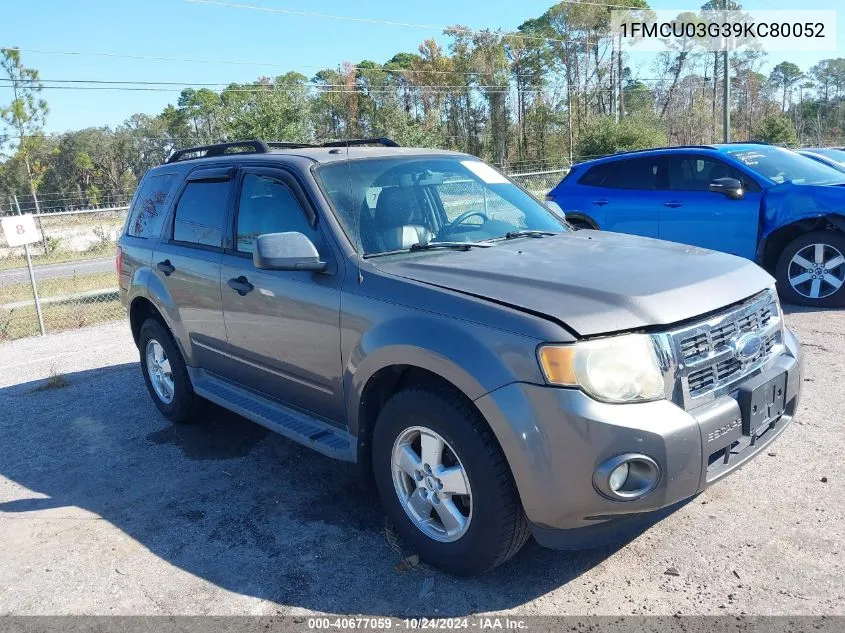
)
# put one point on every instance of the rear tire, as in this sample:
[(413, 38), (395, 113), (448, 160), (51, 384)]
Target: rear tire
[(811, 270), (495, 525), (166, 374)]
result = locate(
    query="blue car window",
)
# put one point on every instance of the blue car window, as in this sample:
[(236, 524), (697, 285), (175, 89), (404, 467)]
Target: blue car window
[(634, 173)]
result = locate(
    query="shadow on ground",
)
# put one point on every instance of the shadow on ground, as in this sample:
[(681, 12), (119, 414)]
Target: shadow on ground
[(236, 505)]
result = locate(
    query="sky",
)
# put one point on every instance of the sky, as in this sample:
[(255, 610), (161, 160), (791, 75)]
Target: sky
[(269, 44)]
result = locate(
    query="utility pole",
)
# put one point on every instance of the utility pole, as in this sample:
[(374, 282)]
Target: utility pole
[(726, 115)]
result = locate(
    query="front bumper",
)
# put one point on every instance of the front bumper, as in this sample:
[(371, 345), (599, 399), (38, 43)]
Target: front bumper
[(555, 438)]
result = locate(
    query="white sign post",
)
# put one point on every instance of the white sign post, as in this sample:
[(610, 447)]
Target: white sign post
[(20, 231)]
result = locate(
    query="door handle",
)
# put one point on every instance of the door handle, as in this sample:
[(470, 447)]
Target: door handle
[(166, 267), (240, 285), (673, 204), (600, 203)]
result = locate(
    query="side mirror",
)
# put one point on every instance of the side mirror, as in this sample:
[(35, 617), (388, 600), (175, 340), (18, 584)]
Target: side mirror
[(286, 251), (731, 187)]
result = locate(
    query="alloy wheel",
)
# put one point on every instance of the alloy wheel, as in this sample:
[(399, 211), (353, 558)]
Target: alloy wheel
[(160, 372), (432, 484), (817, 271)]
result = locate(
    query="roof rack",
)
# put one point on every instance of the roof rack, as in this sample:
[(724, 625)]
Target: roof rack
[(354, 142), (265, 147)]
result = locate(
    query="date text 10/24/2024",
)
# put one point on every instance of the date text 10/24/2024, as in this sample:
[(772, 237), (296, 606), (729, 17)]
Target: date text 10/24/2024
[(381, 624)]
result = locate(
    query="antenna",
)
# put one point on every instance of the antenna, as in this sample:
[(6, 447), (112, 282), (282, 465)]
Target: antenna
[(356, 216)]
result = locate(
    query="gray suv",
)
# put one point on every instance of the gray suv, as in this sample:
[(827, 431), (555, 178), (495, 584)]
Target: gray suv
[(413, 311)]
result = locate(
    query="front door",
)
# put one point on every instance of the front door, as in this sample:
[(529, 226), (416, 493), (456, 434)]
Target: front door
[(283, 326), (692, 214)]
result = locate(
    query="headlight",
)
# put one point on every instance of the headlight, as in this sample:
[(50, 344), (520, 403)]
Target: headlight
[(614, 369)]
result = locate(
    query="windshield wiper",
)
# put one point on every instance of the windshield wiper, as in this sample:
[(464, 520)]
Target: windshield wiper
[(514, 234), (463, 246), (425, 246)]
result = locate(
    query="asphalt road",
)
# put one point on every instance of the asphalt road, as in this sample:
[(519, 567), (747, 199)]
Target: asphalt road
[(106, 508), (52, 271)]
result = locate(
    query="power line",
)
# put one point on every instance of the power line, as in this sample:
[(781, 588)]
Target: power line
[(429, 27)]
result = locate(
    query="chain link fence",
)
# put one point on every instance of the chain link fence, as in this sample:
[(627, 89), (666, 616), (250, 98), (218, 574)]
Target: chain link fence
[(74, 265)]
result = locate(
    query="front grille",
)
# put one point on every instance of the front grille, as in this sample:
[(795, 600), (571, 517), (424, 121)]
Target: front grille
[(707, 363), (701, 342)]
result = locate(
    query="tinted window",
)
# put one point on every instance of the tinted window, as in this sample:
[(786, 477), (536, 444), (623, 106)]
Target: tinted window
[(695, 173), (634, 173), (599, 175), (148, 206), (201, 213), (268, 206)]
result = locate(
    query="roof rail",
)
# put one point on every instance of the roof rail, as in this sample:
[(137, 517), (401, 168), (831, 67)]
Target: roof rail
[(353, 142), (652, 149), (264, 147), (218, 149)]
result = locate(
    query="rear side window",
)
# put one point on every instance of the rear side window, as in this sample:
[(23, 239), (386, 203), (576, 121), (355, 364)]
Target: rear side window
[(148, 210), (201, 213), (634, 173), (599, 176)]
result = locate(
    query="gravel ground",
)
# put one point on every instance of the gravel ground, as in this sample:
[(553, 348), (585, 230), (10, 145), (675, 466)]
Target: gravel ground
[(105, 508)]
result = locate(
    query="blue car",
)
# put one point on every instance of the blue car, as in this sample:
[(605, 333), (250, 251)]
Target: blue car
[(765, 203)]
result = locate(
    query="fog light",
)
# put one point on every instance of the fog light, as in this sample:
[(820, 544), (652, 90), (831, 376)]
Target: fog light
[(626, 477), (618, 477)]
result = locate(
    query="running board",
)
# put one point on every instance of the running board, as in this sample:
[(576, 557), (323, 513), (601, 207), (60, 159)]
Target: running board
[(299, 427)]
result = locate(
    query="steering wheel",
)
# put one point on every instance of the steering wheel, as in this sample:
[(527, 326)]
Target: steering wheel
[(448, 228)]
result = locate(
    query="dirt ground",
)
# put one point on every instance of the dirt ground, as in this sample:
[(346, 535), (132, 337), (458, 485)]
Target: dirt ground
[(105, 508)]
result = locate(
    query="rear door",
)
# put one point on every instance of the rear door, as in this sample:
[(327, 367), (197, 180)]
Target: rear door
[(625, 195), (283, 326), (187, 265), (692, 214)]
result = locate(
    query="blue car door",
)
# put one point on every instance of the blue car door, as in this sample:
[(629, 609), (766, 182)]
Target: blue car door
[(691, 214), (623, 195)]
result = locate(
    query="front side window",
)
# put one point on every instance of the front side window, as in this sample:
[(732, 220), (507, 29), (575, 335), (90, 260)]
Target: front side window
[(782, 165), (392, 204), (201, 213), (147, 212), (268, 206), (695, 173)]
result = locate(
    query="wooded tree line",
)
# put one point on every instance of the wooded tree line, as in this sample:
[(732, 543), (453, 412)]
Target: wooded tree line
[(555, 89)]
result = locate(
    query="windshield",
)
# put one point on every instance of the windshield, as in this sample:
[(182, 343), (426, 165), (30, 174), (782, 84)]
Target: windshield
[(393, 204), (782, 165), (836, 155)]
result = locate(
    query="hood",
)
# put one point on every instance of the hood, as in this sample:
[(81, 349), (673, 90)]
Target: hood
[(593, 281)]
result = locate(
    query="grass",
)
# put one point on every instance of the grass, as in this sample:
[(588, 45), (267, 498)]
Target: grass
[(56, 380), (58, 286), (22, 322)]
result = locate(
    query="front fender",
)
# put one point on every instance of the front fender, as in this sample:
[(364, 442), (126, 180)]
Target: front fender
[(473, 358)]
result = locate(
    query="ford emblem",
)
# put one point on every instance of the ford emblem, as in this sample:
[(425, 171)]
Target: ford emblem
[(747, 346)]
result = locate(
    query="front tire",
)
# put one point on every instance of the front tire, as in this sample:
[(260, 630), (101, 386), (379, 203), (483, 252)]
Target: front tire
[(166, 374), (811, 270), (445, 484)]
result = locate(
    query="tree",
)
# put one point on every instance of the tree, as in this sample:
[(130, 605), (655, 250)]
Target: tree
[(777, 128), (784, 76), (27, 111), (603, 136)]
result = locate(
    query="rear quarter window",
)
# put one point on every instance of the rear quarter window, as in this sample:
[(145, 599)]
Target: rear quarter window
[(148, 206)]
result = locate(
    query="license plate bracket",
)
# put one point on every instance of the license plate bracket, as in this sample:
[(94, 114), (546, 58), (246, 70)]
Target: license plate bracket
[(761, 401)]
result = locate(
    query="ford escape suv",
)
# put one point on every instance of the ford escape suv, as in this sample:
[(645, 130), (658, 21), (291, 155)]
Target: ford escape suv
[(413, 311)]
